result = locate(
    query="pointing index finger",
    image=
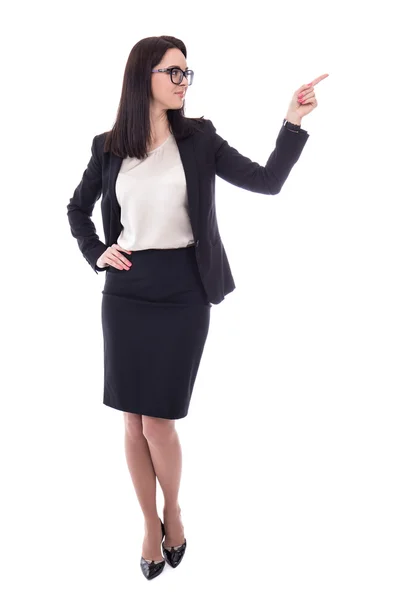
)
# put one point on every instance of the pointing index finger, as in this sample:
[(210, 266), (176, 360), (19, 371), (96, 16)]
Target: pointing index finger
[(318, 79)]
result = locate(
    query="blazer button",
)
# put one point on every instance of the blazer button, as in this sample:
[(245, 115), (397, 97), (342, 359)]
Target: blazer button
[(197, 243)]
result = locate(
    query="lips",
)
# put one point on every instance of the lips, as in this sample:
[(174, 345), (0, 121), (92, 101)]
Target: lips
[(180, 94)]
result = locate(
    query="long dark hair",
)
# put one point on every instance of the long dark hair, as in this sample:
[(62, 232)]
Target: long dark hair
[(130, 134)]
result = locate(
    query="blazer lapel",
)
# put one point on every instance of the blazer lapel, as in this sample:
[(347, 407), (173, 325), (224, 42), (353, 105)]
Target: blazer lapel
[(115, 165), (187, 153)]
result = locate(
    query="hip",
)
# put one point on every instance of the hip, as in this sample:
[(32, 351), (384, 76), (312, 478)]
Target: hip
[(159, 275)]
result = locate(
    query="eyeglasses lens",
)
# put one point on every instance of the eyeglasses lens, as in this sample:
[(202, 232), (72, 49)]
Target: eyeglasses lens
[(177, 76)]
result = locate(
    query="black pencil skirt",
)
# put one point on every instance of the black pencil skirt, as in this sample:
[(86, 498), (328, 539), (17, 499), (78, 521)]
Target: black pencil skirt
[(155, 320)]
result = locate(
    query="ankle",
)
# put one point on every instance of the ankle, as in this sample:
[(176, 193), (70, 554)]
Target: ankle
[(151, 521)]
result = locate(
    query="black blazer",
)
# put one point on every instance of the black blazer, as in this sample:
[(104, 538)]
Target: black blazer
[(204, 155)]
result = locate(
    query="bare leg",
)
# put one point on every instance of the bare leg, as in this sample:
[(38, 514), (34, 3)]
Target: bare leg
[(144, 480), (166, 455)]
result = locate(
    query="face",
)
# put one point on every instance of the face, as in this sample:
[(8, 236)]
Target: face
[(164, 91)]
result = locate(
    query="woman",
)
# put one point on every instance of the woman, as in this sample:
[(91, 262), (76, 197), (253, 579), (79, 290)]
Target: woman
[(165, 262)]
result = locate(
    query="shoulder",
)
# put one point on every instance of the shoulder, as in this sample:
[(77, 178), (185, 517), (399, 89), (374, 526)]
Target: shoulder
[(98, 144), (206, 125), (195, 123), (100, 138)]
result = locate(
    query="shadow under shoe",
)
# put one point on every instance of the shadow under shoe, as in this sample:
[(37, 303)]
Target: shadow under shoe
[(152, 568)]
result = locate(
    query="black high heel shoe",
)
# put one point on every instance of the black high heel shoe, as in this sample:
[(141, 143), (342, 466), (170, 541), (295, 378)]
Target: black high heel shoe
[(151, 569), (174, 554)]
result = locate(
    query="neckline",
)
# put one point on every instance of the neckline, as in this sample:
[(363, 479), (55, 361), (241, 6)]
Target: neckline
[(158, 147)]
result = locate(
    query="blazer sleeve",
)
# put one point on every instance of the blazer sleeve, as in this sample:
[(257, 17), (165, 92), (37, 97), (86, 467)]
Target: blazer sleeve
[(80, 210), (241, 171)]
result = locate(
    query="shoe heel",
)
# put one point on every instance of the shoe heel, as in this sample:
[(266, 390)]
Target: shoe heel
[(162, 529)]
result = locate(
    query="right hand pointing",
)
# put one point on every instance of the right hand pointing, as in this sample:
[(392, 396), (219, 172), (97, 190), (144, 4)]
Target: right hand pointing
[(112, 257)]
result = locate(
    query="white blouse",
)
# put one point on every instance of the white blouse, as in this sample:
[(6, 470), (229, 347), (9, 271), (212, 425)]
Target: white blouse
[(152, 195)]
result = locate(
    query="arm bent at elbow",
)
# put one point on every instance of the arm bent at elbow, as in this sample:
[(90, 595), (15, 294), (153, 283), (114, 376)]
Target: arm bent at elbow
[(80, 210), (241, 171)]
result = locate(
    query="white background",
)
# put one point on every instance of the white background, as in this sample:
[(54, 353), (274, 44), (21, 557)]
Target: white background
[(290, 483)]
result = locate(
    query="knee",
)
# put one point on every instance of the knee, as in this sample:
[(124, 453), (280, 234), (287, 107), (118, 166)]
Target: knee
[(133, 425), (158, 431)]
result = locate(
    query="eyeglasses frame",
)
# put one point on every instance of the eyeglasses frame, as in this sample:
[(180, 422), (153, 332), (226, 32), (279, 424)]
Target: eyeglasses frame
[(170, 69)]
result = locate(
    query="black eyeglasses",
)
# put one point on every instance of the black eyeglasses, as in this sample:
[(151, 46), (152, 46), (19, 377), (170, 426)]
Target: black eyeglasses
[(177, 74)]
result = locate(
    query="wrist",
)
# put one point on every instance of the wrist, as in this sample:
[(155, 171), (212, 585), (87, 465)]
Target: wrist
[(293, 118)]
